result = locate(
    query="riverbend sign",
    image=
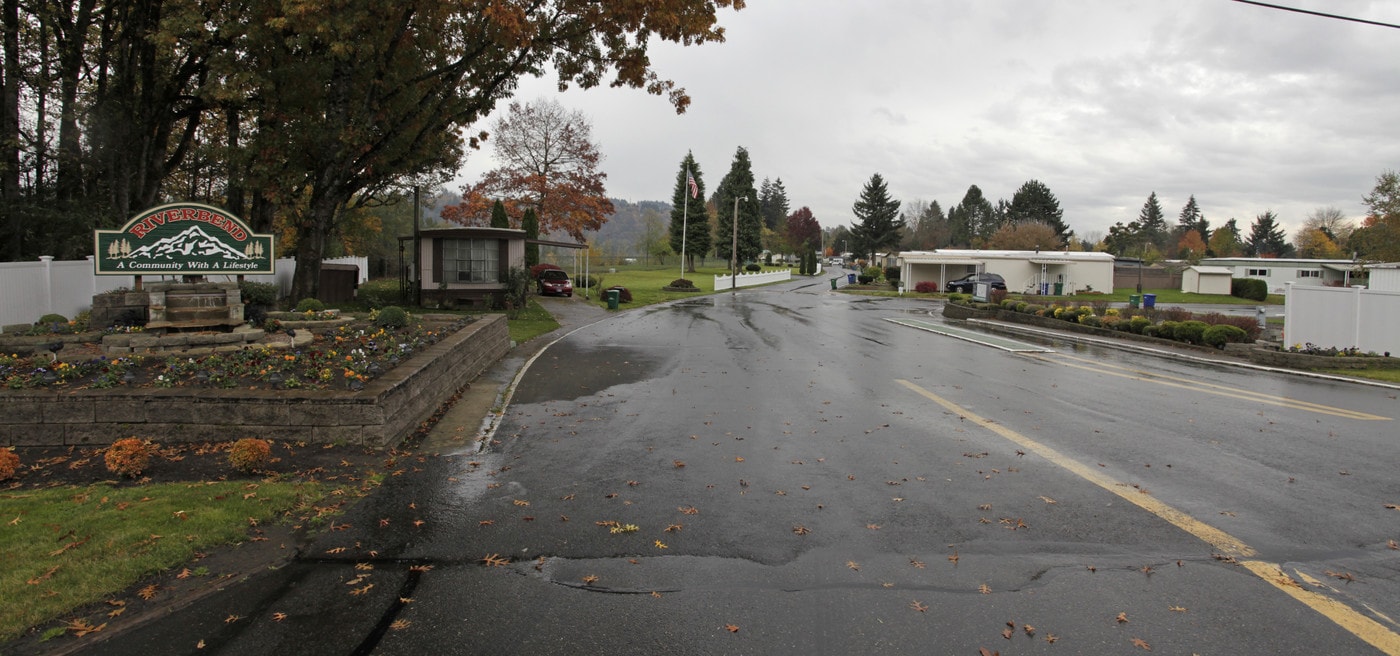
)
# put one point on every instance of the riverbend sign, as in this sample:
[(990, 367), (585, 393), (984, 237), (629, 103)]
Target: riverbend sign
[(183, 239)]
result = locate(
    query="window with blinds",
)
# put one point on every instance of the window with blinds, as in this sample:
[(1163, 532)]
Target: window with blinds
[(470, 260)]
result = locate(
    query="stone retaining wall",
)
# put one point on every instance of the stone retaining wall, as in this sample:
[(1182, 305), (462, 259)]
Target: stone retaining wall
[(381, 415)]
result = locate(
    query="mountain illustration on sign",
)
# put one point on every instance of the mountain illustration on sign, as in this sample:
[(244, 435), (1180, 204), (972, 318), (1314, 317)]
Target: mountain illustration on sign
[(192, 241)]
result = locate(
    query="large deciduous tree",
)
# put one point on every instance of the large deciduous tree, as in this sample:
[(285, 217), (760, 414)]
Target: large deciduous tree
[(1225, 241), (804, 233), (548, 161), (1378, 237), (690, 216), (738, 185), (876, 225), (1025, 236)]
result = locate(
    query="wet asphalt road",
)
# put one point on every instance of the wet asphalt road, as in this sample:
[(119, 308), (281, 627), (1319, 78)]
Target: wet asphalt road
[(806, 477)]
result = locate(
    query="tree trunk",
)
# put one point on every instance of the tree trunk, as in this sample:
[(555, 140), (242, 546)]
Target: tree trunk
[(9, 133)]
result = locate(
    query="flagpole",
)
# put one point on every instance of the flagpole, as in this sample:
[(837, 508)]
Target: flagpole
[(685, 216)]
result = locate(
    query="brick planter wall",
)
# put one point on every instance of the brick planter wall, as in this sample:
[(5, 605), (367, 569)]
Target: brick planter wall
[(381, 415)]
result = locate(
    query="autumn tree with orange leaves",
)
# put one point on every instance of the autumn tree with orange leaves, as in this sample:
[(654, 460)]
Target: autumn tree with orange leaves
[(549, 163)]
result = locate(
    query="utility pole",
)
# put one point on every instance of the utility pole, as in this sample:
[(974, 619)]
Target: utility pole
[(734, 248)]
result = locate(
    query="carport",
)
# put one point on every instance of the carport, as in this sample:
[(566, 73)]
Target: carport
[(934, 267)]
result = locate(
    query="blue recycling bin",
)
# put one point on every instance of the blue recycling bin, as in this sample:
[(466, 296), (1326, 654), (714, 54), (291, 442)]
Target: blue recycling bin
[(1149, 300), (850, 278)]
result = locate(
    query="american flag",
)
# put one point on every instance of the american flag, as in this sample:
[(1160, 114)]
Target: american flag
[(694, 188)]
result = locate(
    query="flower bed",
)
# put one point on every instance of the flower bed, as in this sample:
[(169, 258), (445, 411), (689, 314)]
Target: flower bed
[(240, 400)]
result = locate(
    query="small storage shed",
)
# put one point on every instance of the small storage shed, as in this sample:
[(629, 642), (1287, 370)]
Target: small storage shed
[(1384, 277), (339, 282), (1200, 279)]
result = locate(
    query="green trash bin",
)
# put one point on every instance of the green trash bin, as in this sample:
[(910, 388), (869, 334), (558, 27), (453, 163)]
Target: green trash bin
[(833, 283), (614, 295), (1134, 300), (1059, 289)]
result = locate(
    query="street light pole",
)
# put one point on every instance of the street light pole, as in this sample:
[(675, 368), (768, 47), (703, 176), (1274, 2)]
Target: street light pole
[(734, 248)]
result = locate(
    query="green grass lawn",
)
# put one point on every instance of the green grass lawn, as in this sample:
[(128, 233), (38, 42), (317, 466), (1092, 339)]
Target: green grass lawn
[(645, 282), (1387, 375), (67, 547), (532, 322)]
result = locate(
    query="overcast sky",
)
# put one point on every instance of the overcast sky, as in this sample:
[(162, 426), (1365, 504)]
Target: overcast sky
[(1104, 101)]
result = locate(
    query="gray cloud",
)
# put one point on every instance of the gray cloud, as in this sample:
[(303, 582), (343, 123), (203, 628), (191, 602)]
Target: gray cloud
[(1105, 101)]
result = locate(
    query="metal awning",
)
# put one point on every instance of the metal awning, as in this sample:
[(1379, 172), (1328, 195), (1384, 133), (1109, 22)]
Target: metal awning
[(1342, 267), (1045, 261), (966, 261)]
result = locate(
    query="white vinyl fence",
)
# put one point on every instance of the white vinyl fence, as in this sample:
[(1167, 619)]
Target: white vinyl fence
[(29, 290), (750, 279), (1342, 317)]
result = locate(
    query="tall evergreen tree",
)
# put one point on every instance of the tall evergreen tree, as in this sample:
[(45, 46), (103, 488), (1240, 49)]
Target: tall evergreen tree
[(967, 219), (773, 203), (499, 218), (738, 184), (1034, 202), (530, 223), (688, 210), (1191, 218), (1266, 237), (1152, 222), (876, 225)]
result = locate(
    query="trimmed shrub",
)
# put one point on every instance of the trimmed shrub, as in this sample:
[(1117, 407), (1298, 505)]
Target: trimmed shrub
[(623, 296), (752, 268), (681, 283), (1176, 314), (957, 297), (1035, 309), (52, 318), (1139, 325), (864, 279), (128, 457), (1091, 320), (1221, 334), (310, 305), (1253, 289), (9, 464), (1019, 306), (1249, 325), (892, 274), (258, 293), (927, 287), (1189, 331), (1112, 321), (587, 282), (378, 293), (249, 454), (996, 295), (392, 316), (873, 272)]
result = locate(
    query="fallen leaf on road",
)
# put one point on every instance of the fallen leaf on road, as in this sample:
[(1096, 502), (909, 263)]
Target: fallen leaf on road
[(1122, 618), (732, 628), (1141, 644), (918, 606)]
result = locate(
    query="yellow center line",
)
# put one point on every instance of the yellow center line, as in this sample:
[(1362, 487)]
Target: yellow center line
[(1354, 622), (1207, 388)]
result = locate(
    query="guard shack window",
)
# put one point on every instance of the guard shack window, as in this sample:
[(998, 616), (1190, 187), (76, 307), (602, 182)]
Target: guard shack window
[(471, 260)]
